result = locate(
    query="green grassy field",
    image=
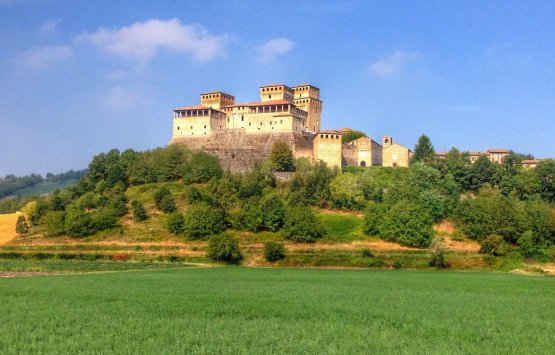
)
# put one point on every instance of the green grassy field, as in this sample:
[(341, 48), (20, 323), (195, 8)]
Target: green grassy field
[(44, 187), (247, 310)]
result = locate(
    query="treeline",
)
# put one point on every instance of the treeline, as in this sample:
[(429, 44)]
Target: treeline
[(11, 183), (497, 204)]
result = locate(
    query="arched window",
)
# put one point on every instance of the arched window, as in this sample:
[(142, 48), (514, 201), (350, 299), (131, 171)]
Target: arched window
[(363, 163)]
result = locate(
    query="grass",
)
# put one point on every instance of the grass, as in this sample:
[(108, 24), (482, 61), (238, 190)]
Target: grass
[(261, 311), (81, 266), (342, 227), (43, 188)]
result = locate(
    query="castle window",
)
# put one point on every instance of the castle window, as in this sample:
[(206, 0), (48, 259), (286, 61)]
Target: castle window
[(178, 128), (327, 136), (191, 127), (204, 126), (269, 96), (260, 124), (280, 121), (249, 124)]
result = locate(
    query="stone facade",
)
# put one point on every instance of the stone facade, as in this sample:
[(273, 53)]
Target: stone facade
[(494, 155), (394, 154)]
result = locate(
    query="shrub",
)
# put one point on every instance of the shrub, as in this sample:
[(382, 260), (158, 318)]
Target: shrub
[(203, 220), (54, 223), (373, 217), (167, 204), (302, 225), (367, 253), (281, 157), (437, 257), (495, 245), (224, 247), (78, 223), (21, 226), (407, 223), (274, 251), (102, 219), (531, 245), (175, 223), (139, 212), (160, 195), (252, 217), (273, 210), (119, 206)]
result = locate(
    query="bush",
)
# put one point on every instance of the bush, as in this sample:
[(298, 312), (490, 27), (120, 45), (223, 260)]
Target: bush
[(367, 253), (273, 210), (175, 223), (139, 212), (531, 246), (78, 223), (201, 168), (302, 225), (203, 220), (119, 206), (274, 251), (494, 245), (252, 217), (224, 247), (21, 226), (281, 157), (407, 223), (102, 219), (163, 200), (373, 217), (54, 223), (437, 257)]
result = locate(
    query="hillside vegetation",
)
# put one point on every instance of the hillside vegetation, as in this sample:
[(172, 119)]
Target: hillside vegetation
[(374, 217)]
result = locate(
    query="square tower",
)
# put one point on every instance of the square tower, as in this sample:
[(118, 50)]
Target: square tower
[(276, 92), (307, 98), (216, 99)]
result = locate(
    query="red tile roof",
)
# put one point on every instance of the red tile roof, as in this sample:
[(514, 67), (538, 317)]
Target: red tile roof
[(329, 131), (530, 161), (498, 150)]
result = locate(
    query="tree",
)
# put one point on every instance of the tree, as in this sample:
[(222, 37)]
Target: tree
[(407, 223), (281, 157), (273, 210), (373, 217), (203, 220), (546, 174), (54, 222), (21, 226), (302, 225), (201, 168), (481, 172), (424, 150), (274, 251), (78, 223), (224, 247), (139, 212), (175, 223), (163, 200), (352, 135), (347, 192)]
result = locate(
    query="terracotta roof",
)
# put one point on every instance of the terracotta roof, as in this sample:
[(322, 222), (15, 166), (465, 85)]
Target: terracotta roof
[(477, 153), (441, 154), (498, 150), (343, 130), (329, 131), (199, 107), (530, 161)]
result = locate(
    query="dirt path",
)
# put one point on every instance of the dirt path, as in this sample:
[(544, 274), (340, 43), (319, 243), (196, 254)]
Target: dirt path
[(7, 227)]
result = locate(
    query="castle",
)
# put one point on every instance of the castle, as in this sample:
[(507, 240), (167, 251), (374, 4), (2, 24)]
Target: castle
[(240, 134)]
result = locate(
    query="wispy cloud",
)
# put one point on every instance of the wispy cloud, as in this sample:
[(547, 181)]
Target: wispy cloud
[(120, 99), (49, 27), (44, 57), (269, 51), (141, 41), (393, 64)]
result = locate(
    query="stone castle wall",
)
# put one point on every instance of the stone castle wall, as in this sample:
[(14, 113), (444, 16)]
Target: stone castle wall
[(349, 154), (239, 151)]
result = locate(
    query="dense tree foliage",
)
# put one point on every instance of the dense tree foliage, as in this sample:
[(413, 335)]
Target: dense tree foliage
[(281, 157), (424, 150), (224, 247), (302, 225), (351, 135), (274, 251)]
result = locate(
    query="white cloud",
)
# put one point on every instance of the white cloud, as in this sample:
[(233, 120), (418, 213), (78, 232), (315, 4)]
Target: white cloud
[(269, 51), (142, 40), (49, 27), (44, 57), (393, 64)]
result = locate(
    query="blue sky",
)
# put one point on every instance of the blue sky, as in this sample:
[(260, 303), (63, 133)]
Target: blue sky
[(81, 77)]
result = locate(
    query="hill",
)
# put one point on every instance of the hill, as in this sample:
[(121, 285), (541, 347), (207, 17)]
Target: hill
[(43, 188)]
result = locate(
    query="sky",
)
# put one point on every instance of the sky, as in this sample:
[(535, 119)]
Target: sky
[(78, 78)]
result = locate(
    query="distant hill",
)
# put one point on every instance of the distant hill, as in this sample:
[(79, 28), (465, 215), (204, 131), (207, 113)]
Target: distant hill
[(43, 188)]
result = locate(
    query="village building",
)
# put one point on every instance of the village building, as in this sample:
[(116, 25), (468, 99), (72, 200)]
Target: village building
[(394, 154), (530, 163), (494, 155)]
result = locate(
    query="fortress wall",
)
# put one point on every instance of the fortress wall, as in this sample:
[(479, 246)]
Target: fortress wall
[(349, 154), (239, 151)]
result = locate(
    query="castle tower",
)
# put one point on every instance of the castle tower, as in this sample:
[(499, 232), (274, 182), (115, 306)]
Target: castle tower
[(307, 98), (327, 148), (216, 100), (387, 141), (276, 92)]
